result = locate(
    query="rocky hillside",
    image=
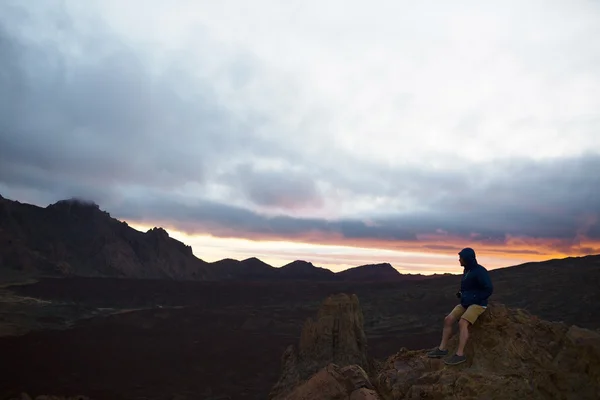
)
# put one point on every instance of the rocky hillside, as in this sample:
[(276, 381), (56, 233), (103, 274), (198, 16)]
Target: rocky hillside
[(76, 238), (511, 355)]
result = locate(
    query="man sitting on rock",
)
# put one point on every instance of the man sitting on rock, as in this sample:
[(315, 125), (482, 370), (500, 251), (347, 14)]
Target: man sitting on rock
[(475, 289)]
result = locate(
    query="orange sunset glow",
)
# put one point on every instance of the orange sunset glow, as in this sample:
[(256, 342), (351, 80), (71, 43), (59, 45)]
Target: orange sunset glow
[(428, 255)]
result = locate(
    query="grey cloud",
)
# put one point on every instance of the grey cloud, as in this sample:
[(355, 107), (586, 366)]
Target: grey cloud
[(276, 188), (543, 200), (105, 117), (553, 198), (522, 210), (230, 221), (550, 198), (594, 229), (546, 199)]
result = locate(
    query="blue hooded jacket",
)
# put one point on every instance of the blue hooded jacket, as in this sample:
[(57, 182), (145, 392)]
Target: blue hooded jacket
[(476, 286)]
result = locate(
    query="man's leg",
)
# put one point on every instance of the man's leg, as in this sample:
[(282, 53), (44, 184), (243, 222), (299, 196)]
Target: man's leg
[(463, 327), (468, 318), (447, 332)]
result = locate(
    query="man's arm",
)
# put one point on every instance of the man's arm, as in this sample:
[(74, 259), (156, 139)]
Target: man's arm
[(485, 284)]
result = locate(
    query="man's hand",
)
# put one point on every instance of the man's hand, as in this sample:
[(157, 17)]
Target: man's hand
[(458, 294)]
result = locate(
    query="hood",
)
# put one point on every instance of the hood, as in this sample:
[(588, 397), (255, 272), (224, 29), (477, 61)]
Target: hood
[(468, 254)]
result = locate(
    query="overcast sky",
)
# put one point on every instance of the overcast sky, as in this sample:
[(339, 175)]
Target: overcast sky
[(341, 132)]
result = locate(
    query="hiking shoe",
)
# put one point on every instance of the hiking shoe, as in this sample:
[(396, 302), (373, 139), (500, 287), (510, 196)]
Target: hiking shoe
[(437, 353), (455, 360)]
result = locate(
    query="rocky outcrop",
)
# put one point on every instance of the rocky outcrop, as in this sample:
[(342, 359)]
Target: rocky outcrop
[(333, 382), (335, 337), (511, 355)]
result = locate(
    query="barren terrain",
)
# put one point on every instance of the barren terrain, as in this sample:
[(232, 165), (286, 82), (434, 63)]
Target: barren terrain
[(151, 339)]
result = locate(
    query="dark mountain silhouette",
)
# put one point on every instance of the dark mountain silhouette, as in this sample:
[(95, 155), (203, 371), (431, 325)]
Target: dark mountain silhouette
[(378, 272), (75, 237), (304, 270), (249, 269), (371, 272)]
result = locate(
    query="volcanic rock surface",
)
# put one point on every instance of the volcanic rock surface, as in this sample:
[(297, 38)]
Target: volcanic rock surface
[(335, 337), (511, 355)]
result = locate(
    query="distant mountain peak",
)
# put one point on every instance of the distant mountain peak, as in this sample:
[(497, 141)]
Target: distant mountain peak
[(301, 269), (375, 272), (75, 202), (299, 264), (379, 265), (228, 259), (253, 260), (77, 206), (158, 231)]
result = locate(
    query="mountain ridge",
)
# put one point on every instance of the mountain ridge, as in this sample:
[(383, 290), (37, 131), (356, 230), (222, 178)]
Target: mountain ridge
[(75, 237)]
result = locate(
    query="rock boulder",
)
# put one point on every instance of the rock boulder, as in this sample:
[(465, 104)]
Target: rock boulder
[(335, 337), (511, 355)]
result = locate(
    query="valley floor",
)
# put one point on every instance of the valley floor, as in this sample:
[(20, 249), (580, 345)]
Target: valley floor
[(132, 339)]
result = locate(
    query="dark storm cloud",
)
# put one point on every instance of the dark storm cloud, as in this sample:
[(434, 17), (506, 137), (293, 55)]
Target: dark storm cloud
[(285, 189), (553, 198), (558, 199), (229, 221)]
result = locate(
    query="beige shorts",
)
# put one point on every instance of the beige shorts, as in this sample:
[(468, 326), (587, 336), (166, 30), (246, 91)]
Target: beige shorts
[(470, 314)]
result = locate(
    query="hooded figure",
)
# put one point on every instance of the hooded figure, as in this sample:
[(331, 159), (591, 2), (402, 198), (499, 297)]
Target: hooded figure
[(476, 286), (475, 289)]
